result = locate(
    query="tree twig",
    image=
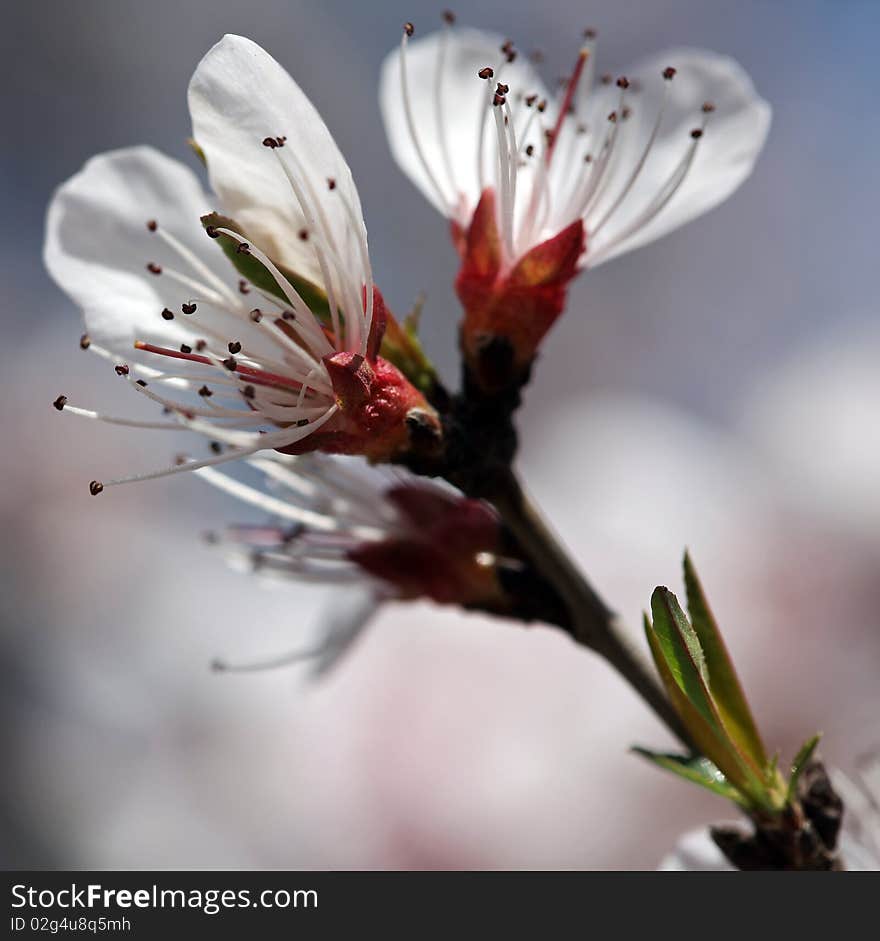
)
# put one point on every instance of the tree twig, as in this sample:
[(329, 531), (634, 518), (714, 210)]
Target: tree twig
[(594, 624)]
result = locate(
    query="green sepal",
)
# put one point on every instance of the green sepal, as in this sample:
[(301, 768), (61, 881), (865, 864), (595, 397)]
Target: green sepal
[(251, 269), (401, 346), (696, 769), (195, 147)]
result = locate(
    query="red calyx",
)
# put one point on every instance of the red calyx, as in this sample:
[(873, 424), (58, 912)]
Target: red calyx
[(439, 558), (510, 310)]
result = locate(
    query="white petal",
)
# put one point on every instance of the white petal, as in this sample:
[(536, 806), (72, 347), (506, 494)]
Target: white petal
[(695, 852), (97, 245), (240, 95), (725, 156), (462, 111)]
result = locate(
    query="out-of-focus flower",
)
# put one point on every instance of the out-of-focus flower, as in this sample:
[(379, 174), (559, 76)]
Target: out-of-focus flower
[(859, 838), (338, 521), (539, 185), (288, 358)]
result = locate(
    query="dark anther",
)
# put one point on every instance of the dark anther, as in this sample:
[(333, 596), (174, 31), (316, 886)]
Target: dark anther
[(230, 363), (95, 487), (302, 423), (708, 107), (288, 315), (188, 308), (590, 33), (85, 341), (270, 142), (60, 402), (623, 82), (303, 235), (669, 73), (607, 79), (409, 29), (152, 225), (211, 231), (625, 113), (697, 133), (201, 344), (542, 105), (256, 315), (121, 370), (331, 183), (448, 17), (180, 459), (234, 347), (167, 314), (205, 392), (141, 383), (248, 392), (498, 100), (280, 141), (184, 348), (588, 158), (530, 100), (216, 447), (502, 89), (530, 149), (243, 286), (242, 248), (486, 73), (153, 268), (612, 117)]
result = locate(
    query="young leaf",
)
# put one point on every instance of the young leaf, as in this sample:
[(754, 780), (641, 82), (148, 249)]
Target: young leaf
[(697, 769), (801, 760), (705, 735), (723, 682), (682, 665)]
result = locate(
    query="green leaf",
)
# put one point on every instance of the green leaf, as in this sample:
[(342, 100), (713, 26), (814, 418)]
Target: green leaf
[(681, 651), (707, 737), (682, 665), (251, 269), (801, 760), (697, 769), (724, 684)]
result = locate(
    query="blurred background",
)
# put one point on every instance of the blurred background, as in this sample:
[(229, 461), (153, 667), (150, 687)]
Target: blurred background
[(719, 389)]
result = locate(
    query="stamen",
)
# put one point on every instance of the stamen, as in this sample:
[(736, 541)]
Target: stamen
[(214, 281), (640, 164), (439, 115), (567, 99), (311, 209), (308, 328), (410, 122), (266, 441), (254, 375), (669, 188)]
